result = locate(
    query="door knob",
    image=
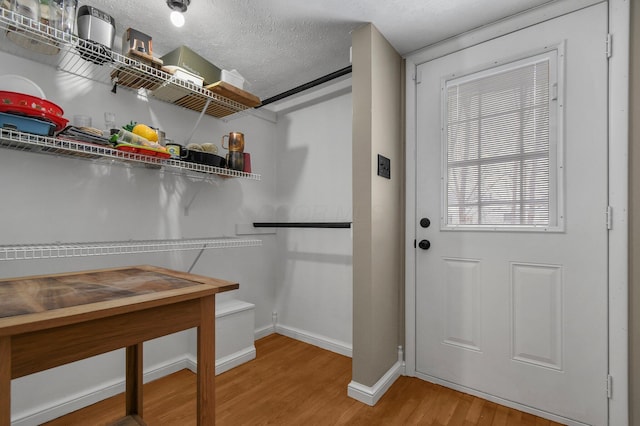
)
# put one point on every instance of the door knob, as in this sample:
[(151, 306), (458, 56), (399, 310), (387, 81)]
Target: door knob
[(424, 244), (425, 222)]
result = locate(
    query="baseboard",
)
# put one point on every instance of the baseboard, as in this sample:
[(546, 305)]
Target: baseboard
[(498, 400), (110, 389), (118, 386), (235, 359), (263, 332), (370, 395), (323, 342), (226, 363)]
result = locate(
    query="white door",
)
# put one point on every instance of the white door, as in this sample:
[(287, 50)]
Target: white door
[(511, 295)]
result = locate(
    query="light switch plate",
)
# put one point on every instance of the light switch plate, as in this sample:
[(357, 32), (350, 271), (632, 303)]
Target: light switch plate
[(384, 167)]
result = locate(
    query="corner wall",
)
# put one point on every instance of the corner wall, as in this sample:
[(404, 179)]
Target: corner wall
[(377, 207), (314, 265), (56, 198)]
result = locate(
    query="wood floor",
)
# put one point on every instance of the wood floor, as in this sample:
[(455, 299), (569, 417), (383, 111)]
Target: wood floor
[(292, 383)]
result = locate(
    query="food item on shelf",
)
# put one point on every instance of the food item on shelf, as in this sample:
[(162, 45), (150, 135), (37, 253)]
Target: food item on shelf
[(155, 146), (91, 130), (129, 127), (146, 132), (84, 134), (125, 136), (205, 147), (209, 147)]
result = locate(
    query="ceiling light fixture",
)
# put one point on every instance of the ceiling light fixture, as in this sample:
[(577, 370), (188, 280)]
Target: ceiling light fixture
[(178, 7)]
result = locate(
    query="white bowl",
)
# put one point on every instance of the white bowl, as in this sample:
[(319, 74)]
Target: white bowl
[(20, 84)]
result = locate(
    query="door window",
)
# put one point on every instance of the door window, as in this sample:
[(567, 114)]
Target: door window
[(501, 143)]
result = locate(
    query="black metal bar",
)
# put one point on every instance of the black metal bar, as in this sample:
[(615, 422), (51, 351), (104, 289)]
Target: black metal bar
[(306, 86), (302, 224)]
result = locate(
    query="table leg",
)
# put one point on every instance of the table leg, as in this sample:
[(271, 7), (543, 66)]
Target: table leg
[(5, 381), (134, 380), (206, 362)]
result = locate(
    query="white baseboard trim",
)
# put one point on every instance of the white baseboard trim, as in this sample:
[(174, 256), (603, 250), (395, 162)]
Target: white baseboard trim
[(109, 389), (235, 359), (57, 409), (370, 395), (323, 342), (228, 362), (263, 332), (498, 400)]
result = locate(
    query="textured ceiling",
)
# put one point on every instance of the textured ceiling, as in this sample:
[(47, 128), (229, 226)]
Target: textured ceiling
[(280, 44)]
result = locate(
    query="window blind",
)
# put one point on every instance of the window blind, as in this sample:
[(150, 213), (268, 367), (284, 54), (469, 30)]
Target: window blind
[(498, 148)]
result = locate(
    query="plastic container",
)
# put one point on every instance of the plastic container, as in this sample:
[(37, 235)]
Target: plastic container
[(233, 77), (203, 158), (26, 124), (20, 103)]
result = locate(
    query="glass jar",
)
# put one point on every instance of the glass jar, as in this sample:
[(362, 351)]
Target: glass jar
[(68, 15), (59, 14), (27, 8), (50, 13)]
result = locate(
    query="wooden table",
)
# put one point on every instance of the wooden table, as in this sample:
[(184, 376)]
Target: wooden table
[(50, 320)]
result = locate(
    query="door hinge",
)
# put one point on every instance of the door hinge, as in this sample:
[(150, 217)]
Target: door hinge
[(609, 217), (609, 45), (418, 77), (609, 386)]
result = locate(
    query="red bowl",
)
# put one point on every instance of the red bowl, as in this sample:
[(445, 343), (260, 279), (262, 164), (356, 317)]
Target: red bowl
[(31, 106)]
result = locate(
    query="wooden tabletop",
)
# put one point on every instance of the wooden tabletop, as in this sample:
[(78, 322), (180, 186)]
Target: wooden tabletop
[(45, 301)]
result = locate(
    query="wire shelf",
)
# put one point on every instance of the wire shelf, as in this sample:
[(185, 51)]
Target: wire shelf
[(104, 248), (20, 141), (24, 37)]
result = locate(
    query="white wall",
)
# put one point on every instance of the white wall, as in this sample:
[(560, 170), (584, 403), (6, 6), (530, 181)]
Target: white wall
[(302, 274), (314, 275), (45, 199)]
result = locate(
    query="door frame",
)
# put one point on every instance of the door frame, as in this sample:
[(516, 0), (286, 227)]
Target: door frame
[(618, 125)]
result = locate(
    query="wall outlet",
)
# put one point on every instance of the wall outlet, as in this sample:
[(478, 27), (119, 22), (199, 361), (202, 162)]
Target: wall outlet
[(384, 167)]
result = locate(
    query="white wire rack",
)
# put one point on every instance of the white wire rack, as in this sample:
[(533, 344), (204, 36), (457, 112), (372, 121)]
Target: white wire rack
[(48, 145), (104, 248), (24, 37)]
